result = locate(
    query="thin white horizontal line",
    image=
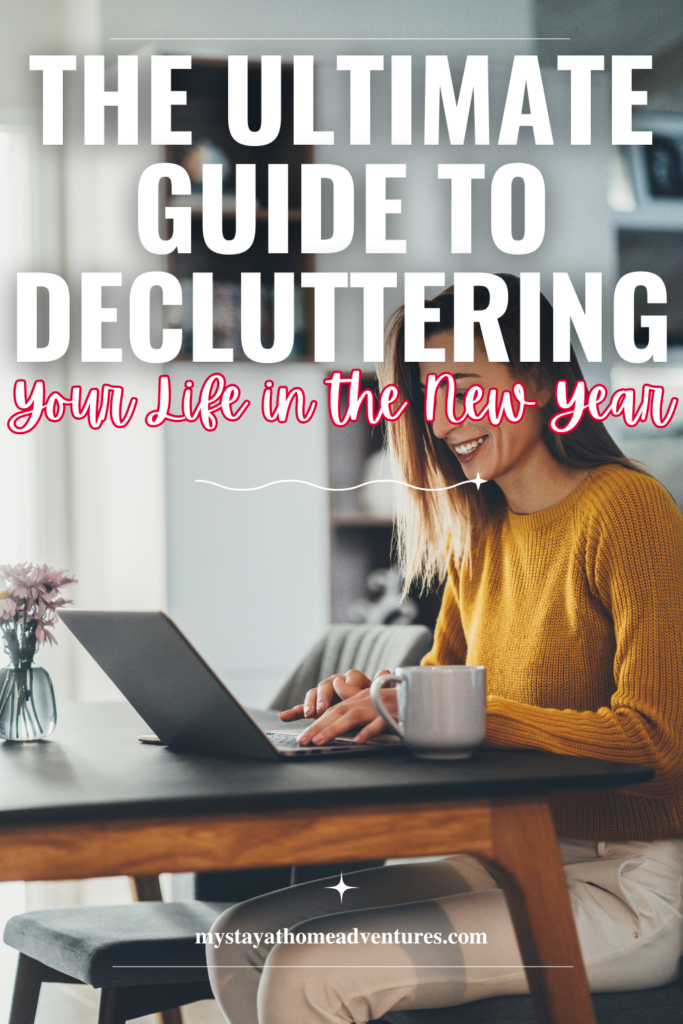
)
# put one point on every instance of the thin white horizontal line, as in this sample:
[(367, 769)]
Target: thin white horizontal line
[(343, 39), (337, 490), (307, 967)]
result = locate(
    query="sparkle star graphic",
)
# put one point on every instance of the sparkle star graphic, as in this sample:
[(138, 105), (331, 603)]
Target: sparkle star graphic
[(341, 887), (478, 481)]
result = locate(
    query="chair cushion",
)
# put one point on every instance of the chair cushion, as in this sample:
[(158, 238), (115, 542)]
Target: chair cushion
[(662, 1005), (95, 944)]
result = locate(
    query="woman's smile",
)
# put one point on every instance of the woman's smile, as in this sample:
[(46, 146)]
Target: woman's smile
[(467, 450)]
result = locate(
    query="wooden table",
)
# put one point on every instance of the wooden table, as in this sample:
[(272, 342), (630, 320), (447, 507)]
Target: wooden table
[(92, 801)]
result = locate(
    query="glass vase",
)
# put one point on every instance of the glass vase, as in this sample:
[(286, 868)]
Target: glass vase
[(27, 700)]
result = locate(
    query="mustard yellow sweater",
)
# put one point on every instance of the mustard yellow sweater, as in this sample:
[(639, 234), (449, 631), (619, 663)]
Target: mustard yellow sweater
[(577, 614)]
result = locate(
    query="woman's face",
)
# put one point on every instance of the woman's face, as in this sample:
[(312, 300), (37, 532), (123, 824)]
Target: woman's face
[(493, 452)]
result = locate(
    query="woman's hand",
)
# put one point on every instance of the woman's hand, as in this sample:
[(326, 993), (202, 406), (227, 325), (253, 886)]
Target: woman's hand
[(330, 691), (355, 711)]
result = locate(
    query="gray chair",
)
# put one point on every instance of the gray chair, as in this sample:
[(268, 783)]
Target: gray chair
[(87, 944)]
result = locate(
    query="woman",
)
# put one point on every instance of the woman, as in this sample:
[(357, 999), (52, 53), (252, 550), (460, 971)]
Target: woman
[(564, 577)]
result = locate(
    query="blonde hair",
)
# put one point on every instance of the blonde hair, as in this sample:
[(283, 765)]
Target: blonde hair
[(433, 527)]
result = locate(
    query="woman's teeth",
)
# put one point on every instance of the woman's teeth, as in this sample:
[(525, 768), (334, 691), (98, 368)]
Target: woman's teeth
[(469, 446)]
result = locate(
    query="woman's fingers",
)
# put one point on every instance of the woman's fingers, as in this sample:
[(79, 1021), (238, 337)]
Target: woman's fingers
[(357, 679), (320, 698), (350, 684), (353, 713), (316, 702), (328, 719), (326, 694), (310, 701), (378, 724), (292, 714), (373, 728), (350, 719), (353, 682)]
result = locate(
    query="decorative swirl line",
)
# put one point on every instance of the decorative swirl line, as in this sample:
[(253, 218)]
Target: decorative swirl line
[(319, 487)]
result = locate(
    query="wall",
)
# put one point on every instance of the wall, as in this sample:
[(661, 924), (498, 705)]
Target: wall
[(206, 20), (248, 573), (92, 502)]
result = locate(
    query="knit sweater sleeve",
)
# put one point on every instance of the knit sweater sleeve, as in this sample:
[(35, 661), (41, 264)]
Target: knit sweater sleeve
[(450, 646), (634, 565)]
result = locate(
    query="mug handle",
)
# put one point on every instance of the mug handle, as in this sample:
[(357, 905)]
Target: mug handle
[(376, 687)]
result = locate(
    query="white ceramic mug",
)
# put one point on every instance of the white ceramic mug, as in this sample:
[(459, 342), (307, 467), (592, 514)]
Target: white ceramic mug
[(442, 708)]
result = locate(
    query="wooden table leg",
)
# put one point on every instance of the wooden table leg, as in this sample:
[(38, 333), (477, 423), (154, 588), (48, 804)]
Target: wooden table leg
[(514, 837), (525, 859)]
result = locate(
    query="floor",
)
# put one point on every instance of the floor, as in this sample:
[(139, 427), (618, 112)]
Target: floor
[(76, 1004)]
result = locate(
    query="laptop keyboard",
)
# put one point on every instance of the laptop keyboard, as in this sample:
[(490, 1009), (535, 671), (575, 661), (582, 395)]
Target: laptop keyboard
[(288, 739)]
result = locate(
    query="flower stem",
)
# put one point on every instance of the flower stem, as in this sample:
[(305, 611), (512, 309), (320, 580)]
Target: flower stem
[(6, 690)]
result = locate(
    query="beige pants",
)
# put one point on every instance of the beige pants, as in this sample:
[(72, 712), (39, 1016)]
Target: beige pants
[(627, 900)]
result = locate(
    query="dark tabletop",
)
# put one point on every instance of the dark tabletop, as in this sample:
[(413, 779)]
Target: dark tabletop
[(94, 767)]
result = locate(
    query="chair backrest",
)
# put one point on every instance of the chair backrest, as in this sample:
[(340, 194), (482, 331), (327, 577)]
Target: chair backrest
[(343, 647)]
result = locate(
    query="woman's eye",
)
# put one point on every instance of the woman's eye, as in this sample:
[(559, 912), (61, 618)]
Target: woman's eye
[(443, 391)]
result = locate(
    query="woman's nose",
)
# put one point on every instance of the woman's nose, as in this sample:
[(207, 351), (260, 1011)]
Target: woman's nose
[(441, 426)]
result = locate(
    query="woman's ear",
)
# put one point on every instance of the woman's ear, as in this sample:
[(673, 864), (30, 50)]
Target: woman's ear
[(543, 396), (539, 387)]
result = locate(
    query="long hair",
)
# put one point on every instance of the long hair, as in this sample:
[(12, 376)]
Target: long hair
[(434, 526)]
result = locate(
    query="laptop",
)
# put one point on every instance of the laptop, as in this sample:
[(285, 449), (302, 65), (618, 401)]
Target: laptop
[(182, 699)]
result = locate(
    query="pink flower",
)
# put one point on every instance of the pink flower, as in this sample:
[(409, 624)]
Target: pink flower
[(8, 607), (31, 582), (43, 634), (22, 580), (55, 579), (32, 596), (50, 603)]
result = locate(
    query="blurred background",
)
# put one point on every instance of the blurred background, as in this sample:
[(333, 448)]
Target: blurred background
[(254, 578)]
